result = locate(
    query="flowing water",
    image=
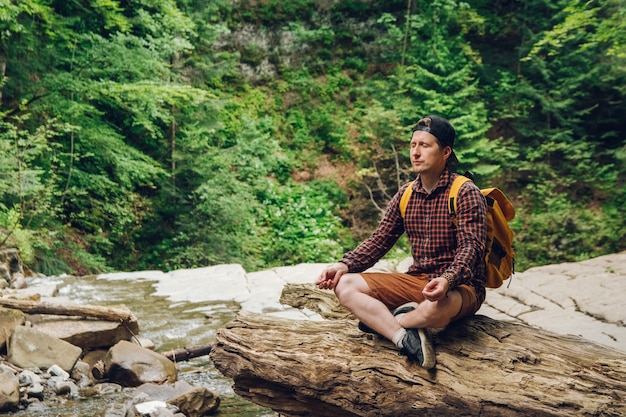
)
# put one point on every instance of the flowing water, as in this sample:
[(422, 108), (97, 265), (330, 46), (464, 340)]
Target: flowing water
[(169, 325)]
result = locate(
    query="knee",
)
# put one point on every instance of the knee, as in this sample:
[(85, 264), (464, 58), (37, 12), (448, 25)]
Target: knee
[(440, 313), (436, 315), (347, 285)]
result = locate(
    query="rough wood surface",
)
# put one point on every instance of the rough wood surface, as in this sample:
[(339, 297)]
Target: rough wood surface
[(307, 296), (485, 367), (109, 313)]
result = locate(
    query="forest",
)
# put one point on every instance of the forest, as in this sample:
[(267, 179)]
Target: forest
[(167, 134)]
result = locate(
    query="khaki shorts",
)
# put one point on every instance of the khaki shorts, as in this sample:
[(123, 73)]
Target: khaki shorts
[(395, 289)]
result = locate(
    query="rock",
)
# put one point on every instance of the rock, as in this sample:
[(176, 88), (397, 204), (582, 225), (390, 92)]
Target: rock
[(132, 365), (143, 342), (18, 281), (4, 273), (85, 333), (28, 377), (163, 392), (31, 384), (191, 401), (582, 298), (31, 348), (9, 320), (149, 408), (10, 257), (197, 402), (35, 390), (55, 370), (80, 374), (104, 388), (63, 386), (142, 405), (9, 390)]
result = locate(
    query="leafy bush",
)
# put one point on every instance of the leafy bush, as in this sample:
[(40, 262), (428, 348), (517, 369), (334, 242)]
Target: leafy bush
[(301, 224)]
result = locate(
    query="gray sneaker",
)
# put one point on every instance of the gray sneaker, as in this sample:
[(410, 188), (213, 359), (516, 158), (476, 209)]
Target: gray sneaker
[(417, 345), (403, 309)]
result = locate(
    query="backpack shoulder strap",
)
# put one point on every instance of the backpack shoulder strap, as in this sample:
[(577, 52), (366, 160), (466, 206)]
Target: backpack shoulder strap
[(406, 196), (453, 197)]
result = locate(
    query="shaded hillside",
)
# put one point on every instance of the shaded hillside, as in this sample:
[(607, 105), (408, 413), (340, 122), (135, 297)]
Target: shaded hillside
[(182, 133)]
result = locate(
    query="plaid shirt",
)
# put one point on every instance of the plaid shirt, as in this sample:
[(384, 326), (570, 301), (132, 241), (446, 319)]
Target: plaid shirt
[(437, 246)]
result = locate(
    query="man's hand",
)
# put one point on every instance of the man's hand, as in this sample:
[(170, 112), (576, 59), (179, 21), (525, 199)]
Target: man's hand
[(330, 276), (436, 289)]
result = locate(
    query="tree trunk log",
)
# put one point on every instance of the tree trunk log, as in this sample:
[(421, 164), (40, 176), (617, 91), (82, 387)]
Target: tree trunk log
[(116, 314), (485, 367), (184, 354)]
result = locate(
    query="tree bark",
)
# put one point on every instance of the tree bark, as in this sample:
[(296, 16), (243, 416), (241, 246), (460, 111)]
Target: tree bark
[(109, 313), (485, 367), (184, 354)]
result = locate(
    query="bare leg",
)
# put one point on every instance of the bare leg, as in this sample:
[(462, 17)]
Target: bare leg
[(354, 294), (433, 314)]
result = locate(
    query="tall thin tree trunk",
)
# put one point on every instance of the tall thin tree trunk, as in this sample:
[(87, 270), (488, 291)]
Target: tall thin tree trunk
[(173, 150), (3, 71), (406, 30)]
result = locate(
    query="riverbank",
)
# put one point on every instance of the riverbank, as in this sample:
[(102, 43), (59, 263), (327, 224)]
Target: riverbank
[(186, 307), (579, 298)]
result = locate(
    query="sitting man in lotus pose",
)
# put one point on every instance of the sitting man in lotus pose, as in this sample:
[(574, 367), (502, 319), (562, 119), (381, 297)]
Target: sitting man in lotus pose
[(446, 281)]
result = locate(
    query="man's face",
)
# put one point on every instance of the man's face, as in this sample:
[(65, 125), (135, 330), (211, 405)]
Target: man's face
[(427, 157)]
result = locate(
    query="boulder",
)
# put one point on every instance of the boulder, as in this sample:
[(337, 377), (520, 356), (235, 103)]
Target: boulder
[(131, 365), (9, 320), (196, 402), (83, 332), (579, 298), (191, 401), (9, 390), (86, 326), (31, 348)]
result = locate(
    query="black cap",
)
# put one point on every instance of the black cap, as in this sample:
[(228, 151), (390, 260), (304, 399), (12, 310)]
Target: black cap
[(441, 129)]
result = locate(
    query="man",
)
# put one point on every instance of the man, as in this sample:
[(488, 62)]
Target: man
[(447, 279)]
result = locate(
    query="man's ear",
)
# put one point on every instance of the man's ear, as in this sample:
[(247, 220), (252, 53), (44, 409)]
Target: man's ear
[(447, 151)]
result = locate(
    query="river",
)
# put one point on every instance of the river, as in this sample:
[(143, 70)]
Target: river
[(173, 311)]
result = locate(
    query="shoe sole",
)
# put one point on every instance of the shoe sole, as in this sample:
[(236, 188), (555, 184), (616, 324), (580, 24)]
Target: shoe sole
[(418, 347), (428, 350)]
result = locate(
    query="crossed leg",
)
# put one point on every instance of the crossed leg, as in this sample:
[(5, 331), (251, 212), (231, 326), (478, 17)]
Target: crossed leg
[(355, 294)]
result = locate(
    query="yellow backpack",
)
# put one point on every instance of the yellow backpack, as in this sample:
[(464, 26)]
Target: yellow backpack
[(499, 255)]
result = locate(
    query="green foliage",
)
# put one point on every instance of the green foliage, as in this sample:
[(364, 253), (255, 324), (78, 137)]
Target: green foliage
[(301, 224), (27, 185), (169, 134), (13, 235), (559, 227), (273, 11)]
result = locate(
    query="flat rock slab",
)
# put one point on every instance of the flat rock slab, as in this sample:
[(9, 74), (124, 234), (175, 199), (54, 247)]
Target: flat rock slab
[(579, 298), (583, 298), (85, 333), (31, 348)]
